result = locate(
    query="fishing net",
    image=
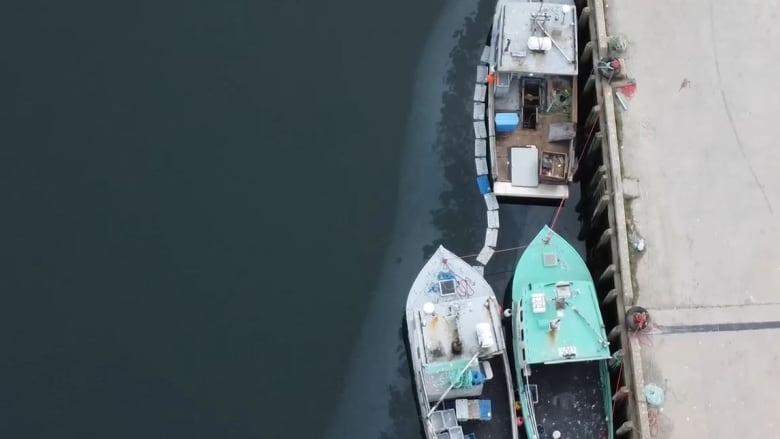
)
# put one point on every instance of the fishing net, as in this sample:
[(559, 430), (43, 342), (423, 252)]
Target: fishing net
[(453, 370)]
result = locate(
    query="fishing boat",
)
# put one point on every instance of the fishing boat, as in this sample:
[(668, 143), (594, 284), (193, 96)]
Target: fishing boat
[(532, 98), (458, 353), (560, 345)]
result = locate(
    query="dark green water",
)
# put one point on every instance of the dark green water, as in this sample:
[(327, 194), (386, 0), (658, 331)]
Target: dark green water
[(211, 212)]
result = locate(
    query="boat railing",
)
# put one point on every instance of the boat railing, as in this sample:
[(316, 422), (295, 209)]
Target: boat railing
[(508, 374), (424, 402), (493, 306), (420, 359), (531, 412), (422, 385), (525, 397)]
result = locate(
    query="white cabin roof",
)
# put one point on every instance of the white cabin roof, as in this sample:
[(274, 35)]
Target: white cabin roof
[(518, 21)]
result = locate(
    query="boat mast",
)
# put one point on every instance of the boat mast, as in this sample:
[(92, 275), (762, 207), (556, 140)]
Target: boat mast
[(538, 19)]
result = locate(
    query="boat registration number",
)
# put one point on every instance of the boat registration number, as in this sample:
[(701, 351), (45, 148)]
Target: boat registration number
[(567, 351)]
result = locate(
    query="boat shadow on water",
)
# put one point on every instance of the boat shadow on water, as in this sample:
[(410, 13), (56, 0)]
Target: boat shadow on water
[(460, 223)]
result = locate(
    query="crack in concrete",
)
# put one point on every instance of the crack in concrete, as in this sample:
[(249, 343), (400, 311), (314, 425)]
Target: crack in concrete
[(730, 117), (694, 307), (718, 327)]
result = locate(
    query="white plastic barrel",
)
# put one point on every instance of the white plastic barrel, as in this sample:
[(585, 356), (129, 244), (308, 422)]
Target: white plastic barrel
[(485, 335)]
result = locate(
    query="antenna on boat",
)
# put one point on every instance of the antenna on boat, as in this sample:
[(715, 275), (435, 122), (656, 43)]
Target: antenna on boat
[(604, 342), (537, 24)]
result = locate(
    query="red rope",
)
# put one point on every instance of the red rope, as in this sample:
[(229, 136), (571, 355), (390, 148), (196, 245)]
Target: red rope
[(554, 220), (617, 386), (628, 90), (497, 251), (462, 284), (560, 206), (640, 320), (587, 142), (652, 419), (557, 212)]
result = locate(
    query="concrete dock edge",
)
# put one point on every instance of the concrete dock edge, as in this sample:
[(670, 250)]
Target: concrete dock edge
[(637, 426)]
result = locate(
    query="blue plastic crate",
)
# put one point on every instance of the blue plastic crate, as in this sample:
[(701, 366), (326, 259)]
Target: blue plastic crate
[(506, 122), (485, 410), (483, 182)]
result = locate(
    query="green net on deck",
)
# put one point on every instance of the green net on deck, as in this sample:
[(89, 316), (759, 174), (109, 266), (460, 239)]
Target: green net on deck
[(454, 371)]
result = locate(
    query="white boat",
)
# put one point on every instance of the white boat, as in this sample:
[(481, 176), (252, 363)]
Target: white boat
[(458, 353), (532, 99)]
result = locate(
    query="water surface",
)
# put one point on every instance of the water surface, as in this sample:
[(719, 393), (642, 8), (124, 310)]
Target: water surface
[(212, 211)]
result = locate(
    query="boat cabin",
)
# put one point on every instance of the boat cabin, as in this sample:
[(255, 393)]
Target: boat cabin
[(532, 99)]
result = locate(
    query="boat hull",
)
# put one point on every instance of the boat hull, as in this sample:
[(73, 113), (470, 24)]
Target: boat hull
[(531, 102), (568, 394), (470, 313)]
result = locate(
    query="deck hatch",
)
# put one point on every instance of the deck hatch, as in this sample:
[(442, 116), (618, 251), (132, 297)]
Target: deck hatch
[(538, 303), (447, 287), (563, 290), (550, 259)]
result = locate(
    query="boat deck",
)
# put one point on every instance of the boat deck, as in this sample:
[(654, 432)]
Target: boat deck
[(570, 399), (552, 114), (500, 426), (453, 322), (522, 137), (454, 326)]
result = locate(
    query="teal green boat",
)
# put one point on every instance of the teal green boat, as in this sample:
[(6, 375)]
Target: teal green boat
[(560, 346)]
